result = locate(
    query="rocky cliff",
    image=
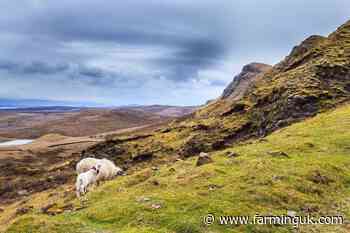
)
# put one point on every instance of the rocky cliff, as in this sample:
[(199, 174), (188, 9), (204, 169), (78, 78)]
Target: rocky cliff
[(242, 81)]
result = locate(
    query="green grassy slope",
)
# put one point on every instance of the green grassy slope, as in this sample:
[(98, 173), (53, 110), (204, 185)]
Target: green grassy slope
[(313, 176)]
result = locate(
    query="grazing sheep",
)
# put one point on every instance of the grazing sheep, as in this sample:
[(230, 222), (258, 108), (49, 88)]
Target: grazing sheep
[(86, 179), (108, 170), (86, 164), (114, 170)]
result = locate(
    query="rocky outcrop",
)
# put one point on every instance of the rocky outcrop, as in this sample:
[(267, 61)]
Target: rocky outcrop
[(203, 158), (313, 78), (241, 82)]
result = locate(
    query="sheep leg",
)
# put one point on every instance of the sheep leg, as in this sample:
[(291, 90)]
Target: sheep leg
[(93, 186)]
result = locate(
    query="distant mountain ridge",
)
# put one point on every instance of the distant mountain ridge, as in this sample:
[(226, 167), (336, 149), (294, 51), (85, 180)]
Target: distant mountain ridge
[(28, 103), (37, 105), (164, 110), (33, 122)]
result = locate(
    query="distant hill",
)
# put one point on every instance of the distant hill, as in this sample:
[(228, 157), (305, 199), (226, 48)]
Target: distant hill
[(42, 109), (165, 110), (33, 122)]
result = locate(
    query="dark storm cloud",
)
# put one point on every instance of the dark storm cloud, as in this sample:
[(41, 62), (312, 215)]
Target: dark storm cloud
[(40, 67), (8, 65), (34, 67), (196, 53), (196, 34), (91, 72), (88, 74), (114, 48)]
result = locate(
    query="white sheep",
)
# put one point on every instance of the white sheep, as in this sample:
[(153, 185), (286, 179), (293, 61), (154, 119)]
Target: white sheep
[(86, 179), (86, 164), (108, 170)]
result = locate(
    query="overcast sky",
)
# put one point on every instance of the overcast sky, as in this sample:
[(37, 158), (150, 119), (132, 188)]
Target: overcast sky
[(177, 52)]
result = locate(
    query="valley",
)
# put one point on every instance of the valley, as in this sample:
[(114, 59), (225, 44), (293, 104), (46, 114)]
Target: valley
[(57, 137), (31, 123)]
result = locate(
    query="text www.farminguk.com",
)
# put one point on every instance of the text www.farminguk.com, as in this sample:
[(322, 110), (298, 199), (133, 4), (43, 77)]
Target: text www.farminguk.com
[(257, 219)]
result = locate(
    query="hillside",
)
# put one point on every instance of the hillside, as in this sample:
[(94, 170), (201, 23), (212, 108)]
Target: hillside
[(315, 77), (303, 168)]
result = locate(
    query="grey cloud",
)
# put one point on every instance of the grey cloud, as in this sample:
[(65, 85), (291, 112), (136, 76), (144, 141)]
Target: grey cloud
[(195, 33), (34, 67), (218, 83), (8, 65), (136, 46), (43, 68), (91, 72)]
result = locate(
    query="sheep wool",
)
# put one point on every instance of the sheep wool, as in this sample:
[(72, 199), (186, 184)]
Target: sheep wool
[(86, 164), (108, 170), (113, 170)]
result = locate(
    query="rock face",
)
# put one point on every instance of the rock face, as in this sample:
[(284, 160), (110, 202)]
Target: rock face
[(242, 81), (301, 53)]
